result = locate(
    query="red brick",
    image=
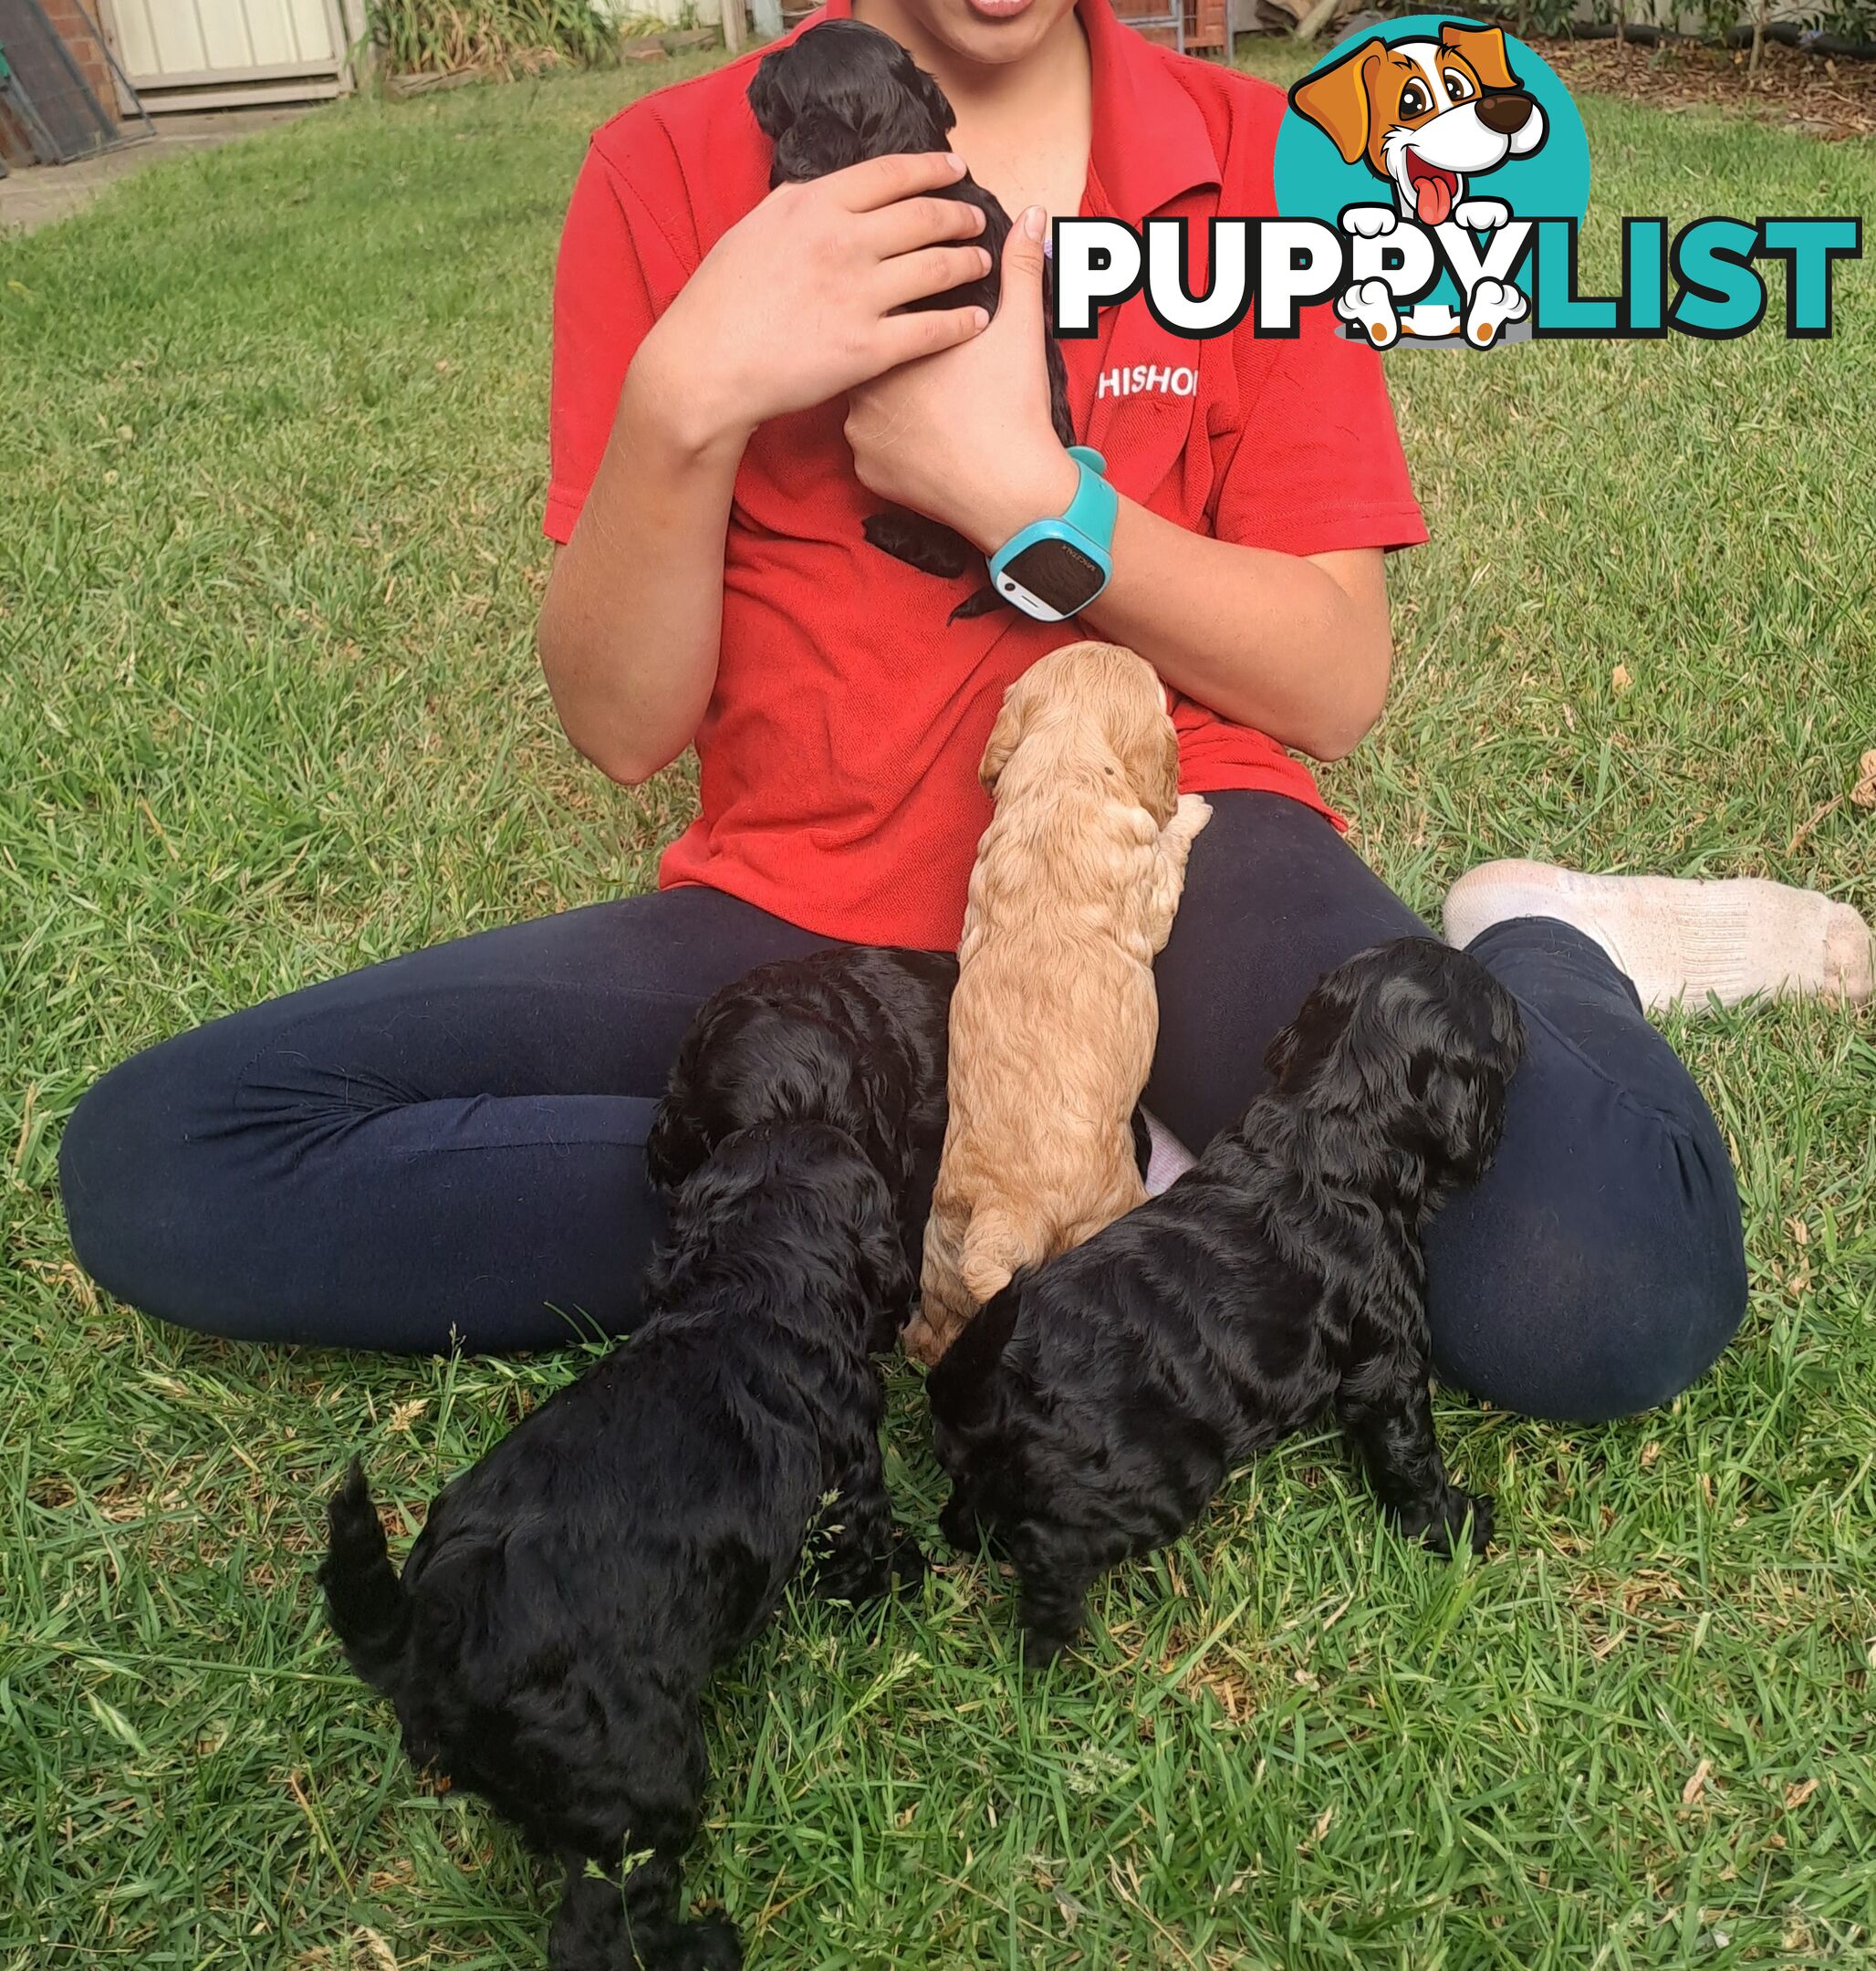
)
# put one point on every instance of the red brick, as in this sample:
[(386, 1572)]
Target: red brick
[(74, 29)]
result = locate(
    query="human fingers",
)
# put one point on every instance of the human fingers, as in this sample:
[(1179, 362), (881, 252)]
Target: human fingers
[(885, 180), (905, 339), (913, 222), (917, 276)]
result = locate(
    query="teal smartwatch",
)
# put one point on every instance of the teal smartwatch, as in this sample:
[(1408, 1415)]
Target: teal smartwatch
[(1055, 568)]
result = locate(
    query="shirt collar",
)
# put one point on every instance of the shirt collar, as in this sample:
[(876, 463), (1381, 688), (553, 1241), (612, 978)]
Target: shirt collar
[(1151, 142)]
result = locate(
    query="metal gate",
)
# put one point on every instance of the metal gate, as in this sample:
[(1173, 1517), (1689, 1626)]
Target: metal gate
[(45, 90)]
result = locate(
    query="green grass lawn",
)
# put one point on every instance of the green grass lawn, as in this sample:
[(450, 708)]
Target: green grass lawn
[(272, 448)]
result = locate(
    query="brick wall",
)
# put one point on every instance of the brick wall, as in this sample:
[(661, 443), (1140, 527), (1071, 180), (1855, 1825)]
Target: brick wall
[(72, 26)]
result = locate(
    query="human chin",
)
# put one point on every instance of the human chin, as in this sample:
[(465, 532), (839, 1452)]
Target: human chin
[(990, 30)]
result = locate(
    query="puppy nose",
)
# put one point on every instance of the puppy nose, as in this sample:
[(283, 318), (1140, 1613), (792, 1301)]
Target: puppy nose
[(1509, 111)]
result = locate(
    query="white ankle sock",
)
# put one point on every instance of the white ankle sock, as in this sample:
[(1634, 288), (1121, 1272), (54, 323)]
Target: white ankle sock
[(1169, 1158), (1682, 939)]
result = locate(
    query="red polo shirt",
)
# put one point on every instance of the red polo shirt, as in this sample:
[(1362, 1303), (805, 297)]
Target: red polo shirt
[(838, 755)]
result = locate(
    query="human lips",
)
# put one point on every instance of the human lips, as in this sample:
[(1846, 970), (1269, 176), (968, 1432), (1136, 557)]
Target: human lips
[(998, 10)]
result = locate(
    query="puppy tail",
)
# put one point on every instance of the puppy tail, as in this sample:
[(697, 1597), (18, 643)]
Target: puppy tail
[(993, 1247), (962, 1387), (369, 1612)]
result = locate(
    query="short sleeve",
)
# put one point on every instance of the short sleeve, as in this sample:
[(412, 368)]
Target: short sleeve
[(1316, 465), (617, 271)]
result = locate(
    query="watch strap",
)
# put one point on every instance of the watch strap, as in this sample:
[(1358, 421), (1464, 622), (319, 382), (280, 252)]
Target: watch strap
[(1096, 506)]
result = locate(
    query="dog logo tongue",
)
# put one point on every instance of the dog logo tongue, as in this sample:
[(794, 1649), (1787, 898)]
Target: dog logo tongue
[(1433, 191)]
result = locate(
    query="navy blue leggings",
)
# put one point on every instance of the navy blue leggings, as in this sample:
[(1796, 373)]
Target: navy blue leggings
[(451, 1144)]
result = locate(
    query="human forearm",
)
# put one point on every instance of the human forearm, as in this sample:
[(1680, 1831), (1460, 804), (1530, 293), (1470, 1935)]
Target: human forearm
[(630, 624), (1298, 648), (799, 301)]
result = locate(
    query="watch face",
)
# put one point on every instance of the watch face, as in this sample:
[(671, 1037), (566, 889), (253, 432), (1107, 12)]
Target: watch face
[(1057, 572)]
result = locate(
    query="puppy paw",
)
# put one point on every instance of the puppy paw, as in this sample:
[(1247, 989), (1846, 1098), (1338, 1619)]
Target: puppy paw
[(960, 1525), (711, 1944), (980, 604), (1482, 214), (1370, 222), (1370, 305), (920, 1342), (1045, 1647), (1191, 815), (909, 1565), (920, 542), (1442, 1526)]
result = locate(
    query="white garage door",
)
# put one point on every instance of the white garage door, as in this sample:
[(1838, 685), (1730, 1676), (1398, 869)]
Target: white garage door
[(193, 54)]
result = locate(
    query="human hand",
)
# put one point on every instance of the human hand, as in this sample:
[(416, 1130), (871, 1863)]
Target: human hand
[(795, 304), (964, 436)]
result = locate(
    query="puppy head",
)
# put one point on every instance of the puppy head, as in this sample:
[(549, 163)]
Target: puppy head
[(803, 1197), (841, 93), (1411, 1041), (1096, 699), (846, 1203), (744, 1062)]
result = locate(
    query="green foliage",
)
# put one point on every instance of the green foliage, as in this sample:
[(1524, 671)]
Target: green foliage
[(1714, 20), (272, 452), (496, 36)]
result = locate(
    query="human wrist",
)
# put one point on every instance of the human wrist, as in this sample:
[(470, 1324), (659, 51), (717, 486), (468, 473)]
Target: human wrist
[(671, 407), (1038, 488)]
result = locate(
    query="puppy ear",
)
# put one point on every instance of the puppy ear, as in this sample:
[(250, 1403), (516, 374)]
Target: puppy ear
[(768, 97), (1483, 50), (891, 1281), (1299, 1049), (1005, 735), (1336, 99), (1155, 770), (1465, 1105), (1280, 1056), (808, 149), (1481, 1042), (936, 101), (675, 1145)]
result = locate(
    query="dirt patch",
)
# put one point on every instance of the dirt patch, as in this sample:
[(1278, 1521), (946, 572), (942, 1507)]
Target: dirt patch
[(1833, 98)]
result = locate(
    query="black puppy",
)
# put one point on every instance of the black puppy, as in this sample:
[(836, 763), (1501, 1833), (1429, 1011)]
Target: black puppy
[(855, 1036), (1095, 1405), (571, 1595), (842, 93)]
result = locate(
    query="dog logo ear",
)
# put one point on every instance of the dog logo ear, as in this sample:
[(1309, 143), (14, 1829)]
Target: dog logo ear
[(1336, 99), (1483, 48)]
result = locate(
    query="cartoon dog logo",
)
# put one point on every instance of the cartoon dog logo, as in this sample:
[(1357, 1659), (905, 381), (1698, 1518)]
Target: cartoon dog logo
[(1426, 116)]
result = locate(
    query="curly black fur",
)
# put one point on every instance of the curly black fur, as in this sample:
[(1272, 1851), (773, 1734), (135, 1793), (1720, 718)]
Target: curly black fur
[(571, 1593), (852, 1035), (842, 93), (1092, 1410)]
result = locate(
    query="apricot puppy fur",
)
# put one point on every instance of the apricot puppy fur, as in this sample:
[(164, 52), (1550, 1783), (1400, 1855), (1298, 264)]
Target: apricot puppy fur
[(1055, 1015)]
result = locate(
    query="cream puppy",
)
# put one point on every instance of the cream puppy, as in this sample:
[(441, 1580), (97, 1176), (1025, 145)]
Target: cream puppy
[(1054, 1017)]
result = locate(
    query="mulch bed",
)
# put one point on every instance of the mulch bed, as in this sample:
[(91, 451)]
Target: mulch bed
[(1832, 98)]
